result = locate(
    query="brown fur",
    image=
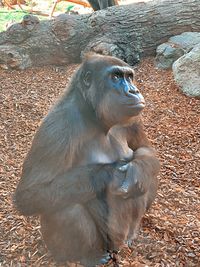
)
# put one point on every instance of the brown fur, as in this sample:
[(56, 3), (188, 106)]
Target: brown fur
[(72, 175)]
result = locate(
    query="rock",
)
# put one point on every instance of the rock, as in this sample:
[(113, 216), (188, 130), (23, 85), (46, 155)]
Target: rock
[(186, 72), (167, 53), (12, 58), (186, 40)]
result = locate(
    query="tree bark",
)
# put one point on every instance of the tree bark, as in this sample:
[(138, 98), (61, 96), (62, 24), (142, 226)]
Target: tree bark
[(128, 32)]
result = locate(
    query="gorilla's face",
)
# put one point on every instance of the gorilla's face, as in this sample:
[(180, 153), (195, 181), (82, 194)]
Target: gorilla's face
[(111, 90)]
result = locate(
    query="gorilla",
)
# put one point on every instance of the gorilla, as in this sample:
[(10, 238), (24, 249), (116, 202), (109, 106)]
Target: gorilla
[(91, 172), (101, 4)]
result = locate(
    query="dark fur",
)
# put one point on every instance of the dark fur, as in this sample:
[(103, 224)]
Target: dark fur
[(72, 175), (101, 4)]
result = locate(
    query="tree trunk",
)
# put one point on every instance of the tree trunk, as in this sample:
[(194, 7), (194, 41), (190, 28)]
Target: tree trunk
[(127, 32)]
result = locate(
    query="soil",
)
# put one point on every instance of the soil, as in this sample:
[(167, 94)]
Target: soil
[(169, 234)]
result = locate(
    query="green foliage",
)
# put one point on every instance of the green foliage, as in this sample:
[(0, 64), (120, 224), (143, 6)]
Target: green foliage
[(63, 6), (11, 16), (68, 8), (7, 17)]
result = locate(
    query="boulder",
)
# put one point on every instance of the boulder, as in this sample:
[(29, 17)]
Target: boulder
[(167, 53), (186, 72)]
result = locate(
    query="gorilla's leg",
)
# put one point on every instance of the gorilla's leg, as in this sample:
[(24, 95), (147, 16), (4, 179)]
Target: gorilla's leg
[(71, 235), (94, 4), (111, 3), (103, 4), (140, 205), (151, 194), (138, 211), (106, 3)]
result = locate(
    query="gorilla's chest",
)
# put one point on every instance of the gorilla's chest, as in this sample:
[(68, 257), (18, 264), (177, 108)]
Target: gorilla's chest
[(105, 150)]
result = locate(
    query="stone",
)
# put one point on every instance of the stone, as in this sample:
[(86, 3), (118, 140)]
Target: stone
[(167, 53), (186, 72)]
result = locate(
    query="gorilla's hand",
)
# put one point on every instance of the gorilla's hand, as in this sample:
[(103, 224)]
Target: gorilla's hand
[(133, 179), (127, 181)]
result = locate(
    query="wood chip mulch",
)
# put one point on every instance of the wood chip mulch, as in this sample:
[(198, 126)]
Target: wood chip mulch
[(169, 234)]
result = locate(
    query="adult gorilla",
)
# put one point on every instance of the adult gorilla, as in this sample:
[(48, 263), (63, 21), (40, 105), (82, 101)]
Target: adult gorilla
[(91, 171)]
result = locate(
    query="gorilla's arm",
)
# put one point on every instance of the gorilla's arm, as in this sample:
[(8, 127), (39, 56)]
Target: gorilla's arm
[(140, 175), (79, 185)]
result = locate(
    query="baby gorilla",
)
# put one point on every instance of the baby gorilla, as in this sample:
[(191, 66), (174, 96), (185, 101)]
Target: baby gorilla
[(91, 172)]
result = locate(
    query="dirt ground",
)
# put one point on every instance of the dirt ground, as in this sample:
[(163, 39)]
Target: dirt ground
[(169, 233)]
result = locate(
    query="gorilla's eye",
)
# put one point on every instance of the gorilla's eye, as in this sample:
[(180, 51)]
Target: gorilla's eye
[(116, 77)]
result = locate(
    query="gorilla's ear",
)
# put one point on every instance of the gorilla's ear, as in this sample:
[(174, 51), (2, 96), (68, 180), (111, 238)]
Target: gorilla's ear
[(87, 56), (87, 78)]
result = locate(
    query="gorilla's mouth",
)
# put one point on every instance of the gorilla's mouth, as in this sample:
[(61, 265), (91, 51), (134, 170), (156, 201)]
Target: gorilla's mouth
[(140, 104)]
